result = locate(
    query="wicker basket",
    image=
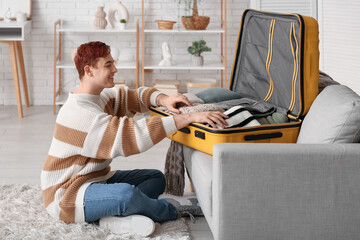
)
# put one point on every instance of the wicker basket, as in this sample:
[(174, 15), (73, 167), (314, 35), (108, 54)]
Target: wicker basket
[(165, 25), (195, 22), (201, 22), (188, 22)]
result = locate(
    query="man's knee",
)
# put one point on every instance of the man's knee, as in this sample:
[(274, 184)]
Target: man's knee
[(161, 179), (124, 192)]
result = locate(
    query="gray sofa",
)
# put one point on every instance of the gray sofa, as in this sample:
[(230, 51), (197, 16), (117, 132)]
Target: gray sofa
[(307, 190)]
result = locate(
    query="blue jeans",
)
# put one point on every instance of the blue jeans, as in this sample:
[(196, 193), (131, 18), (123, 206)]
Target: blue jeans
[(128, 193)]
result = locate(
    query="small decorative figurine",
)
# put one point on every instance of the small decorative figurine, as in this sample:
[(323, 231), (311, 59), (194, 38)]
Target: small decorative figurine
[(7, 15), (167, 57), (118, 8)]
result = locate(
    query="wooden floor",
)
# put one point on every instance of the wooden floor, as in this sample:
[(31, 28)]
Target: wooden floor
[(24, 144)]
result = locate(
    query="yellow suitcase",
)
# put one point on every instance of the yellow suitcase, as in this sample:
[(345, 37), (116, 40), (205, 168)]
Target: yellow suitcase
[(276, 60)]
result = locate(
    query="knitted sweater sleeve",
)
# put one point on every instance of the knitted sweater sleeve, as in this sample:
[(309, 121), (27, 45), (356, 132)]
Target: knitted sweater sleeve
[(110, 136), (131, 101)]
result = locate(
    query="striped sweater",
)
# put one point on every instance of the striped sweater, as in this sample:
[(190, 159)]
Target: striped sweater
[(90, 131)]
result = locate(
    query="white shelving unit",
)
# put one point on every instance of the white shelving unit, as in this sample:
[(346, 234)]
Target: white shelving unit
[(148, 64), (63, 27), (14, 31), (186, 66), (119, 65), (179, 31)]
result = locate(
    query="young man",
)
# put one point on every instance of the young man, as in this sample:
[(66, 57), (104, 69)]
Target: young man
[(93, 127)]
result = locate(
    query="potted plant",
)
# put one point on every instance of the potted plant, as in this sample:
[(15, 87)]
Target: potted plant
[(196, 49), (122, 23)]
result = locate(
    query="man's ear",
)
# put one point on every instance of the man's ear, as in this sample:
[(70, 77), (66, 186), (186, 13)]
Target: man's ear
[(88, 71)]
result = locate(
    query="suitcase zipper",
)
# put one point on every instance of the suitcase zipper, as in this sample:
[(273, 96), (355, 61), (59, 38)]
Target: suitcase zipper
[(296, 64), (268, 59)]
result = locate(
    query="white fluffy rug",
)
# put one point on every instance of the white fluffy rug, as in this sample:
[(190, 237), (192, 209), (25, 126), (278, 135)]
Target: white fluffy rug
[(23, 216)]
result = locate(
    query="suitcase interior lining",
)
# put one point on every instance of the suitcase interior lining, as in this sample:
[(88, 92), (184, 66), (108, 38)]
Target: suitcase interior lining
[(269, 46)]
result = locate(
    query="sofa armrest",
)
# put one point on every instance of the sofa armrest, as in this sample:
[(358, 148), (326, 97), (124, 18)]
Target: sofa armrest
[(286, 191)]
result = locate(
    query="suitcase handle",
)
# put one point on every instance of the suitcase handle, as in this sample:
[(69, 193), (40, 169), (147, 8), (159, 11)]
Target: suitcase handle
[(185, 130), (263, 136)]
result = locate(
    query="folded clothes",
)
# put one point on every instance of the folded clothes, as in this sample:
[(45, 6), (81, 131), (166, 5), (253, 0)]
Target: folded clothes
[(257, 108), (216, 94), (274, 118), (193, 98), (239, 117), (201, 108), (195, 108)]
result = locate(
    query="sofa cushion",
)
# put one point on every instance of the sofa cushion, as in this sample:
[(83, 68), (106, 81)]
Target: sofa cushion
[(199, 167), (334, 117)]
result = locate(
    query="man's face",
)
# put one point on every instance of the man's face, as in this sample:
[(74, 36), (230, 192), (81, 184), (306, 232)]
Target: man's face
[(103, 72)]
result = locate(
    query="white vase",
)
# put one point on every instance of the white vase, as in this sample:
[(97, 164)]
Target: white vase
[(122, 26), (100, 21), (197, 60), (114, 51), (73, 52), (117, 7)]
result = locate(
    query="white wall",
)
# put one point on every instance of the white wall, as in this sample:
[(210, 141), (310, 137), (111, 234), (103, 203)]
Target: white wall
[(38, 47), (338, 58), (339, 41)]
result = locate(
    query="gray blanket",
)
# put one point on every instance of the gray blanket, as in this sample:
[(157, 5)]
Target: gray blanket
[(174, 162)]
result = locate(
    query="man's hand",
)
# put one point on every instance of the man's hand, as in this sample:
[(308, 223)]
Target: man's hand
[(170, 102), (211, 118)]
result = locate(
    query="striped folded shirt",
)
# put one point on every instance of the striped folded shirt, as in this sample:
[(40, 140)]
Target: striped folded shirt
[(239, 117)]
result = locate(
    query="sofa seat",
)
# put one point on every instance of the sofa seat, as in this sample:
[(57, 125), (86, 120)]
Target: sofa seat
[(199, 166), (302, 191)]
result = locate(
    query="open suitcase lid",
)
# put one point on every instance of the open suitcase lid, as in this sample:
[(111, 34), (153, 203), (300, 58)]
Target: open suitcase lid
[(269, 60)]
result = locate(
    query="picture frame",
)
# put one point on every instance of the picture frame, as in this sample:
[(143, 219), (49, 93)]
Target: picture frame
[(16, 6)]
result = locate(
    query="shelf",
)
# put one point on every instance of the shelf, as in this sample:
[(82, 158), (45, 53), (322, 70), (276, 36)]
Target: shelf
[(184, 31), (119, 65), (188, 65), (87, 28), (219, 28), (14, 31)]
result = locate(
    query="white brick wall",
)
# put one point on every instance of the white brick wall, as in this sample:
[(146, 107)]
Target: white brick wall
[(38, 47)]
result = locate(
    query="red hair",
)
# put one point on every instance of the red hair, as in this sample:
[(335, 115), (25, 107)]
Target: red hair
[(88, 54)]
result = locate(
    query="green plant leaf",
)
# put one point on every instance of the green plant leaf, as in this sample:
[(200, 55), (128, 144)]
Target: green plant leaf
[(198, 47)]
